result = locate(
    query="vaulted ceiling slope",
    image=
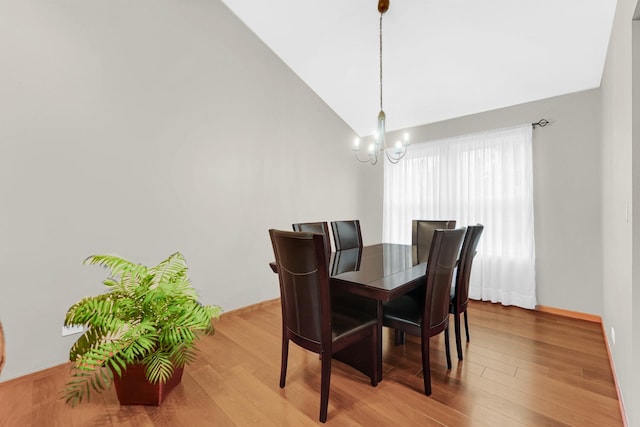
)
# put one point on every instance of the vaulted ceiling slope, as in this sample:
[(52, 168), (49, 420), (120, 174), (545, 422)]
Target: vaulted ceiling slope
[(441, 58)]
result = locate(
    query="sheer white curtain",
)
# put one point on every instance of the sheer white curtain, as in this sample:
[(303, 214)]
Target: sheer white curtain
[(484, 178)]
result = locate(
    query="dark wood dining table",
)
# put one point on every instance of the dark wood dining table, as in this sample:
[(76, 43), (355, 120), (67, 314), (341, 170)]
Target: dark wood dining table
[(380, 272), (366, 277)]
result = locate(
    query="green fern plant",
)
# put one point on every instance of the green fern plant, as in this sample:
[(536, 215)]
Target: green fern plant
[(149, 316)]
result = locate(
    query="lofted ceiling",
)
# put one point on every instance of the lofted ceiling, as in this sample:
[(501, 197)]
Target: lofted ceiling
[(441, 58)]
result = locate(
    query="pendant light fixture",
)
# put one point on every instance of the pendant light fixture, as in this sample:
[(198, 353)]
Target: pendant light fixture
[(379, 144)]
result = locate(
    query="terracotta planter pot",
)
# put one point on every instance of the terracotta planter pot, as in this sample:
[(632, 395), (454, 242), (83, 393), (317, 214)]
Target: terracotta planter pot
[(134, 389)]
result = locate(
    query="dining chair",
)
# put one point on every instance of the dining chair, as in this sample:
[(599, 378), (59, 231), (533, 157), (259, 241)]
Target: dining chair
[(460, 293), (422, 233), (429, 316), (308, 317), (421, 237), (315, 227), (346, 234)]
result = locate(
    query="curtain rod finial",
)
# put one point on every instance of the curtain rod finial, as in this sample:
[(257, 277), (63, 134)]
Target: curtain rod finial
[(542, 123)]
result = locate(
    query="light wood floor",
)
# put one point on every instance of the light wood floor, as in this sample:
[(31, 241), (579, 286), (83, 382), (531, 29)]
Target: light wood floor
[(521, 368)]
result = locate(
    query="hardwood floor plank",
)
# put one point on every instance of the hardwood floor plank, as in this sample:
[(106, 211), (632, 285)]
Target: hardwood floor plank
[(594, 382), (536, 351), (599, 410), (472, 351), (595, 403), (479, 404), (234, 404), (533, 401)]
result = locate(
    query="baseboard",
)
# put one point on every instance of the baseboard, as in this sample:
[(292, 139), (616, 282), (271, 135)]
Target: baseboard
[(568, 313), (33, 376), (615, 377), (249, 308)]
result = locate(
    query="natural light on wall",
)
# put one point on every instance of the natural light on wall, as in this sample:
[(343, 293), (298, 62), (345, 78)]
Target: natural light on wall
[(484, 178)]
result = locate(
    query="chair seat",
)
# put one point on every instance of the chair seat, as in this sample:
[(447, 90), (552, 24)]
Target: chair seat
[(405, 308), (343, 324)]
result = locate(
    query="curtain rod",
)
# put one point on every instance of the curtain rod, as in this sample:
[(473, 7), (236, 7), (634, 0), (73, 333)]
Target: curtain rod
[(542, 123)]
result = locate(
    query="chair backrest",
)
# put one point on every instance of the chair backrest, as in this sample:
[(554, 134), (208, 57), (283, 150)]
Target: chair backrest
[(346, 234), (443, 256), (467, 254), (304, 286), (315, 227), (422, 234)]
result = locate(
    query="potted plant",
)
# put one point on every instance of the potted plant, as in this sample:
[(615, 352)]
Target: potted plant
[(148, 323)]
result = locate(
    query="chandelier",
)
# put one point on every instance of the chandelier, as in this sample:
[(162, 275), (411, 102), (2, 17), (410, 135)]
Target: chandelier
[(398, 150)]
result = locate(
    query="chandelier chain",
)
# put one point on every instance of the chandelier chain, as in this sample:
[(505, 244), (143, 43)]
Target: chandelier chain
[(381, 62)]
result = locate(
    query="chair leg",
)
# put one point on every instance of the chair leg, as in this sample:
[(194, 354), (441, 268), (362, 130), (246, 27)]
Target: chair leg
[(458, 332), (466, 325), (446, 347), (285, 357), (426, 366), (374, 357), (324, 386), (399, 337)]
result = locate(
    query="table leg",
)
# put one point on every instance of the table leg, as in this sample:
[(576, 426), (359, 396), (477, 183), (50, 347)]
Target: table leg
[(358, 355)]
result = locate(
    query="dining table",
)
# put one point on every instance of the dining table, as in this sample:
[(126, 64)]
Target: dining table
[(363, 279)]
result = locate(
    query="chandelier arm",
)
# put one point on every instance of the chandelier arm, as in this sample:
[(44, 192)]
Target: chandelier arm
[(392, 160), (395, 159), (373, 159)]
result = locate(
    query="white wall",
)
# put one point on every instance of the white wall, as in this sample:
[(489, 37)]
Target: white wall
[(147, 127), (621, 209), (567, 192), (633, 408)]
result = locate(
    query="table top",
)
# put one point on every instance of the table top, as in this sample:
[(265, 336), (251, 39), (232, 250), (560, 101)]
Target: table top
[(381, 271)]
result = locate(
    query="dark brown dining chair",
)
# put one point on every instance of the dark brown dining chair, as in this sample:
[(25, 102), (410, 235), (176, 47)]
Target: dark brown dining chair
[(421, 237), (308, 318), (422, 233), (429, 316), (460, 294), (315, 227), (346, 234)]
